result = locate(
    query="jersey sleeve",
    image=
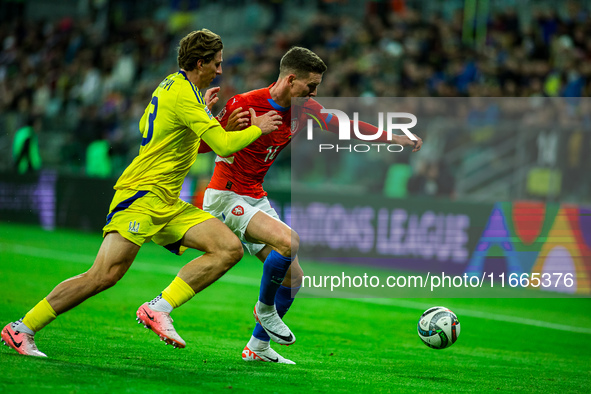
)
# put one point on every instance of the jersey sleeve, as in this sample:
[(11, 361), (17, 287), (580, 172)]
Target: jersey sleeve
[(224, 143), (193, 112)]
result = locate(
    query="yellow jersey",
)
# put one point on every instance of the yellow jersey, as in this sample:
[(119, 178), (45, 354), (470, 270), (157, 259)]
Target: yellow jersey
[(172, 126)]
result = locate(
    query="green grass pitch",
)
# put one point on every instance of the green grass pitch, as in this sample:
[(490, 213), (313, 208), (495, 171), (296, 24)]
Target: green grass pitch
[(344, 345)]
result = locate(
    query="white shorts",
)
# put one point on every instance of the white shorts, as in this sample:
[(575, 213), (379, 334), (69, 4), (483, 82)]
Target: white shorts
[(236, 211)]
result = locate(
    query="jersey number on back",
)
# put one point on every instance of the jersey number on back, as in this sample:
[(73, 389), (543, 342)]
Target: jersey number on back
[(272, 152), (151, 119)]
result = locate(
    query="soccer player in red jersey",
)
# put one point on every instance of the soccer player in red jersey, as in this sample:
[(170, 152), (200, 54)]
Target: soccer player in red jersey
[(235, 193)]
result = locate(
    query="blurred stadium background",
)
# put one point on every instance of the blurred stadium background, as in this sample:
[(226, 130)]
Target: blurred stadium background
[(487, 192), (81, 71)]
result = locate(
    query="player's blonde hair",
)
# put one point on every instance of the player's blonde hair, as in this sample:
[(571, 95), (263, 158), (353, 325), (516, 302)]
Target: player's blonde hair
[(300, 61), (199, 44)]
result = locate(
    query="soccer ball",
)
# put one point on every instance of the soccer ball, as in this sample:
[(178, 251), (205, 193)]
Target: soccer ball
[(438, 327)]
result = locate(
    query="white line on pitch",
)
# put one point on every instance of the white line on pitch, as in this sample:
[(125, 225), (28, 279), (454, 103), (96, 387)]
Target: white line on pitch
[(87, 259), (480, 315), (228, 278)]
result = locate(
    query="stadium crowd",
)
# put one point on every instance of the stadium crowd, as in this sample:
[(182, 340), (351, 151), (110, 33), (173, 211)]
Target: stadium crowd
[(91, 78)]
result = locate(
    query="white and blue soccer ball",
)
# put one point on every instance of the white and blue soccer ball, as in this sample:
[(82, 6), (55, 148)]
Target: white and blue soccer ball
[(438, 327)]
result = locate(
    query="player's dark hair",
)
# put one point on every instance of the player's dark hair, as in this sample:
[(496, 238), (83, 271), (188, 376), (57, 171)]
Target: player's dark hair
[(199, 44), (301, 61)]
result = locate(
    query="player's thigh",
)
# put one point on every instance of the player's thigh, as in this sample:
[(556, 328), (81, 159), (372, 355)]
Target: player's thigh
[(265, 226), (211, 236), (266, 229), (182, 217)]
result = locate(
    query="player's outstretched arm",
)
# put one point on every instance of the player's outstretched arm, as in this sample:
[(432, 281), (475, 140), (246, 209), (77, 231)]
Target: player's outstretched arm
[(238, 120), (225, 143)]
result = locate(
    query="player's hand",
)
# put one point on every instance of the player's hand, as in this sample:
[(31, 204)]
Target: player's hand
[(418, 143), (237, 120), (268, 122), (211, 97), (405, 141)]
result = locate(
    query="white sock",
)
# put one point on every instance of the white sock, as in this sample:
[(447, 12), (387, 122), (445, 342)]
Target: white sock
[(21, 327), (256, 344), (264, 308), (159, 304)]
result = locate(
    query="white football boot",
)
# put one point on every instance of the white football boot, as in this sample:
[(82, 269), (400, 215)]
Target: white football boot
[(266, 355), (268, 318), (161, 324)]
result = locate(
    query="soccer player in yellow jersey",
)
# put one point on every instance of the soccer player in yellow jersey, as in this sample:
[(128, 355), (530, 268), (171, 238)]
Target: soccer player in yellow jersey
[(146, 205)]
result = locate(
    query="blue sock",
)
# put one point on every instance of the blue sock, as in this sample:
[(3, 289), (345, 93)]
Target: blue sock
[(274, 269), (283, 301)]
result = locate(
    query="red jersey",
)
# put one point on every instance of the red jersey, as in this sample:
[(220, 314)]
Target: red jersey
[(244, 171)]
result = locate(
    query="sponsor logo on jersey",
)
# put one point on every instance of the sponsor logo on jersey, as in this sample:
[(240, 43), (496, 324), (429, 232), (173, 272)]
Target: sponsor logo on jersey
[(238, 210)]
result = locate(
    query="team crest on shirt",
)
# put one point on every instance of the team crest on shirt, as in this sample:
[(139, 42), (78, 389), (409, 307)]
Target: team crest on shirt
[(238, 210), (294, 125)]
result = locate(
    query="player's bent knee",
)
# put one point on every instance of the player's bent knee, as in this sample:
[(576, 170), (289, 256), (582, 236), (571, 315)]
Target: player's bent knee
[(289, 244), (101, 282), (233, 252), (102, 279), (108, 282), (236, 254)]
